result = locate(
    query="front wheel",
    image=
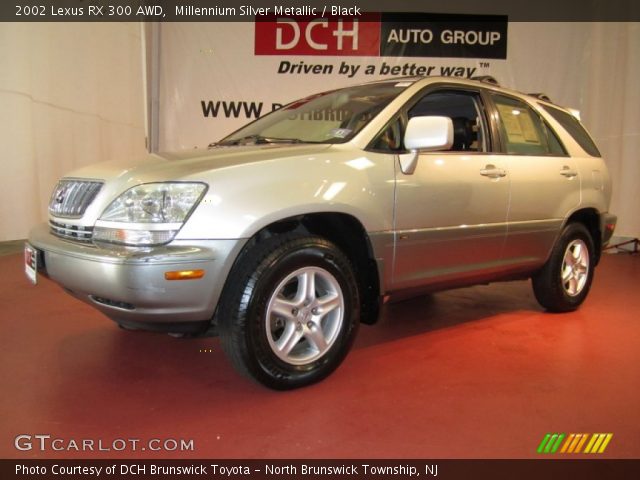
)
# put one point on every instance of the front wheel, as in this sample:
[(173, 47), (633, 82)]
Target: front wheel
[(565, 279), (290, 311)]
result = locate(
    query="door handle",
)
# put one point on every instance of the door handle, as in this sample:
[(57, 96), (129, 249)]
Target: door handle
[(568, 172), (492, 171)]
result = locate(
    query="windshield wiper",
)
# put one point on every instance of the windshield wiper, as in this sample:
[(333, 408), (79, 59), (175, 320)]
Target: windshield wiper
[(260, 140), (285, 140)]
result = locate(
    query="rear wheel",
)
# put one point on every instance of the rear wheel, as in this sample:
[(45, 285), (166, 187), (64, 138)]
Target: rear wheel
[(564, 281), (290, 311)]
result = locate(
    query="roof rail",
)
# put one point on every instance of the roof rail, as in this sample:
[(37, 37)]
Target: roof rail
[(486, 79), (540, 96)]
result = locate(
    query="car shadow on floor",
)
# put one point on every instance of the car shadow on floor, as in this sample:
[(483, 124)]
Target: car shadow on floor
[(449, 309)]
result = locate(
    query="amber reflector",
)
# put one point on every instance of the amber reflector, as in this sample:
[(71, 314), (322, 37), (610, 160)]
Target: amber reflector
[(184, 275)]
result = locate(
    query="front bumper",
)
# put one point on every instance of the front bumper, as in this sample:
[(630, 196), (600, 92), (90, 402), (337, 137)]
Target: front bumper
[(128, 284)]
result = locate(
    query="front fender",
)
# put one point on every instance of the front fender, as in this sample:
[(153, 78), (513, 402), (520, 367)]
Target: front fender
[(246, 198)]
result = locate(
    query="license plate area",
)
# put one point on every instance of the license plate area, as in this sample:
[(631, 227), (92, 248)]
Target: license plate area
[(31, 263)]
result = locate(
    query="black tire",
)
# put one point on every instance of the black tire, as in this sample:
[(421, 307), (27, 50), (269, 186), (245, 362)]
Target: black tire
[(564, 295), (254, 332)]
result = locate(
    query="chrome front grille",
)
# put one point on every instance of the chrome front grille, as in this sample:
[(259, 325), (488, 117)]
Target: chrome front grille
[(71, 232), (71, 198)]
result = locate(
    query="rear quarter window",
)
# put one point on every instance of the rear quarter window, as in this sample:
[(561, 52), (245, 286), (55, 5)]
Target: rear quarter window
[(574, 128)]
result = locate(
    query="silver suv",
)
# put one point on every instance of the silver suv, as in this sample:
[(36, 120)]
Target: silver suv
[(287, 234)]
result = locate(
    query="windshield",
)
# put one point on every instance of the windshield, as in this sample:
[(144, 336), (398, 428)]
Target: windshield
[(328, 117)]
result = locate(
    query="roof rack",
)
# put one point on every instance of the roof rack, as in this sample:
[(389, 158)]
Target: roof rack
[(486, 79), (540, 96)]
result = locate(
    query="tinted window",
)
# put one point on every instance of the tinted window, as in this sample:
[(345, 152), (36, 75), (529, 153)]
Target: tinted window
[(390, 139), (572, 125), (465, 112), (555, 146), (522, 130)]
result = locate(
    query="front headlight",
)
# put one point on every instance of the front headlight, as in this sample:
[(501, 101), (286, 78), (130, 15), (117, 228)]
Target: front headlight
[(149, 214)]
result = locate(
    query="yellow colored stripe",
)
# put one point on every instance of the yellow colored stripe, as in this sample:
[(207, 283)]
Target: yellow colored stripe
[(593, 439), (596, 445), (582, 440), (567, 442), (606, 442)]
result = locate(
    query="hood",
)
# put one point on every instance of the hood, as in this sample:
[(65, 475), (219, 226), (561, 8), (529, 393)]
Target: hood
[(168, 166)]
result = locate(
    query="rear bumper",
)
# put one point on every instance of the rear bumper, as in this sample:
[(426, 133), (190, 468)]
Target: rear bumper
[(607, 226), (128, 284)]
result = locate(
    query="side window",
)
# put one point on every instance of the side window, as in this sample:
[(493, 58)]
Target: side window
[(390, 139), (465, 111), (555, 147), (522, 129), (573, 126)]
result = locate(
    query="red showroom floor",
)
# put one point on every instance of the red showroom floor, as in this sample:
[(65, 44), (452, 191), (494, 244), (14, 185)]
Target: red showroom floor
[(477, 372)]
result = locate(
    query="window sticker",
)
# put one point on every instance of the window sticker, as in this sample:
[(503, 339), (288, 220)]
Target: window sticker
[(518, 125), (340, 132)]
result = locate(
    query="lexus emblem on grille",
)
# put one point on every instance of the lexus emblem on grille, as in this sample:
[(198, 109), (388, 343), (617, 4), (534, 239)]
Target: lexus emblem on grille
[(60, 194)]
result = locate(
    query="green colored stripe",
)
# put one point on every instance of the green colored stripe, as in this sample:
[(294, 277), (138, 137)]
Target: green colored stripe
[(544, 441), (547, 449), (558, 442)]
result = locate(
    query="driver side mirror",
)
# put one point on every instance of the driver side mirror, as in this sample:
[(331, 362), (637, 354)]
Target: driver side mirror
[(430, 133)]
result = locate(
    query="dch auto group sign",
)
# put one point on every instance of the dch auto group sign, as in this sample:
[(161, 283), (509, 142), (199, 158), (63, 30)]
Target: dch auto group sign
[(384, 35)]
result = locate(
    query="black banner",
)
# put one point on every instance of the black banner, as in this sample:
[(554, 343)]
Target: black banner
[(441, 35), (326, 469), (231, 10)]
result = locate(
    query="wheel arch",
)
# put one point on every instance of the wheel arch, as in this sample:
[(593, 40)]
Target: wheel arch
[(348, 234), (590, 218)]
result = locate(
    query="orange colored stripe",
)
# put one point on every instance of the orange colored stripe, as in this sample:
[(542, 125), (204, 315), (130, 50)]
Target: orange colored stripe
[(606, 442), (567, 442), (577, 437)]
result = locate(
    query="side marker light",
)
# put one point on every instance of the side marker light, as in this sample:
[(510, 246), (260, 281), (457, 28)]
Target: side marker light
[(184, 275)]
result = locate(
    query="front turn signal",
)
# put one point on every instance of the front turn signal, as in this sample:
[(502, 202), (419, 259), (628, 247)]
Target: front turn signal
[(184, 275)]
